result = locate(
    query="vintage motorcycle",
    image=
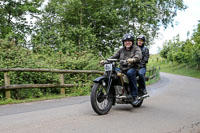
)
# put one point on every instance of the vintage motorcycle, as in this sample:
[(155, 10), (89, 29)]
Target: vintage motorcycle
[(113, 87)]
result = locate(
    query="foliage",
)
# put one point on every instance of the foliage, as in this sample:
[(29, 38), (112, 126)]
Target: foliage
[(99, 25), (14, 56), (187, 52), (14, 17), (196, 46), (165, 50), (175, 68)]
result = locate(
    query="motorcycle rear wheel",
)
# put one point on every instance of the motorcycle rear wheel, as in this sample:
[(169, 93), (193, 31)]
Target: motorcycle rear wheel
[(101, 103)]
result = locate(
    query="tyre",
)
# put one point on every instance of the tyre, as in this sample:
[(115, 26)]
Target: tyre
[(139, 104), (101, 103)]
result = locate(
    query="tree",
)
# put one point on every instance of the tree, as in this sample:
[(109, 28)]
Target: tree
[(196, 46), (165, 50), (187, 52), (105, 20), (13, 17)]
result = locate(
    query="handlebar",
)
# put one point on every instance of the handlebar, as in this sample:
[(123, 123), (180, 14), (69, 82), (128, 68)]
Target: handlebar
[(112, 60), (116, 60)]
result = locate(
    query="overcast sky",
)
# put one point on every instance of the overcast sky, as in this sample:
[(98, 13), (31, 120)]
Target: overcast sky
[(186, 21)]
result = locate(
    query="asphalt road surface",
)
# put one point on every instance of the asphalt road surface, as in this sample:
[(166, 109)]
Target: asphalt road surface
[(174, 107)]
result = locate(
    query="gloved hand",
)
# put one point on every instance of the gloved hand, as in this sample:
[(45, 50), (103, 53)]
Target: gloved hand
[(102, 62), (131, 60)]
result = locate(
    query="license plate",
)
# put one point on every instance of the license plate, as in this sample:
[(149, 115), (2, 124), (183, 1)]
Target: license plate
[(108, 67)]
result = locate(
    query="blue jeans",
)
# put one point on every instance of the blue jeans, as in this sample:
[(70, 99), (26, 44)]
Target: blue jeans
[(141, 74), (131, 73)]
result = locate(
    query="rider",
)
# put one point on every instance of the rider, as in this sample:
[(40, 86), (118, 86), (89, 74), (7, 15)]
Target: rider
[(133, 55), (140, 41)]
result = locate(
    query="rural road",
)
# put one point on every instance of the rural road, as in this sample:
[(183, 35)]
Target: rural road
[(174, 107)]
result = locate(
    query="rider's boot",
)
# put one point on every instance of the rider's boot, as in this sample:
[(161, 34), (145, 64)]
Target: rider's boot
[(144, 92), (135, 100)]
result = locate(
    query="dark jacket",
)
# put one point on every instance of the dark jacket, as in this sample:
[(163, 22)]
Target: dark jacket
[(145, 56), (123, 54)]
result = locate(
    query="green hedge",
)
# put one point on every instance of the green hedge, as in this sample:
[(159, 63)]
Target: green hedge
[(13, 56)]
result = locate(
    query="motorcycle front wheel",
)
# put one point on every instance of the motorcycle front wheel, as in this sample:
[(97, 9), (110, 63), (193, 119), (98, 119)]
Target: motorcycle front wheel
[(101, 103)]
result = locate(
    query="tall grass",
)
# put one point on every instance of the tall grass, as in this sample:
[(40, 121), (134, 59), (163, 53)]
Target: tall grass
[(174, 67)]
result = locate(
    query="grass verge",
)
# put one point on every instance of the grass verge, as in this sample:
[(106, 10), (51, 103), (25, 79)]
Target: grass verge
[(154, 80), (12, 101), (174, 68), (180, 69)]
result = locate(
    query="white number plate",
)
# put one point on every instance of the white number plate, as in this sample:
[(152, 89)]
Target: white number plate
[(108, 67)]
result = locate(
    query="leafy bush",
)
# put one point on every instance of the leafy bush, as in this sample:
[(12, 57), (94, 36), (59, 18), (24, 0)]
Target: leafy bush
[(187, 52), (14, 56)]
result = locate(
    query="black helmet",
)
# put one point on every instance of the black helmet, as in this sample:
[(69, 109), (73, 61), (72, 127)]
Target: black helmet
[(128, 37), (142, 37)]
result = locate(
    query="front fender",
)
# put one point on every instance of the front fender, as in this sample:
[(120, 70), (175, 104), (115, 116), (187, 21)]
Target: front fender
[(99, 79)]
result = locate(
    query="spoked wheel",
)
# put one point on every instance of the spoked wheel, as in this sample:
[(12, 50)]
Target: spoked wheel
[(101, 103)]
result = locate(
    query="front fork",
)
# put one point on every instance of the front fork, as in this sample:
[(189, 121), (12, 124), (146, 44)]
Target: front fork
[(109, 83), (106, 82)]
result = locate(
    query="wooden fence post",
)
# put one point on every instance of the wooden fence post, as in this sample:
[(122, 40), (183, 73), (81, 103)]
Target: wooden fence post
[(7, 82), (62, 91)]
